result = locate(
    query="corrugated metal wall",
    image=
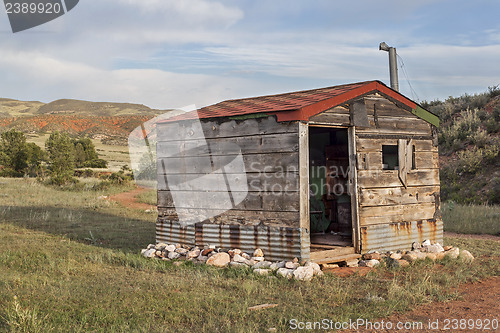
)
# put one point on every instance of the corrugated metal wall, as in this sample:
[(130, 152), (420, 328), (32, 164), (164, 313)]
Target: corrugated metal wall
[(400, 236), (278, 243)]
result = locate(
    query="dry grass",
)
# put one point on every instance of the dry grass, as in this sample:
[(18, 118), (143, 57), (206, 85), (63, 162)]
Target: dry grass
[(471, 219), (53, 279)]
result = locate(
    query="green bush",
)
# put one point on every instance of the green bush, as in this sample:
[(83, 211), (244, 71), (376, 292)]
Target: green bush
[(95, 163)]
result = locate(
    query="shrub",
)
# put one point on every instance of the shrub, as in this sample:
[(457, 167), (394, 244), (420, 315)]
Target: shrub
[(96, 163)]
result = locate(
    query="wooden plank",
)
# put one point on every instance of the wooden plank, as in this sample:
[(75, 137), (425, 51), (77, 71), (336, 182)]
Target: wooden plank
[(359, 117), (389, 178), (380, 196), (426, 160), (353, 182), (341, 251), (375, 145), (274, 182), (209, 129), (336, 259), (262, 306), (404, 157), (331, 118), (397, 195), (247, 216), (304, 176), (418, 195), (272, 143), (266, 162), (417, 212), (396, 213), (395, 125), (383, 107), (287, 201)]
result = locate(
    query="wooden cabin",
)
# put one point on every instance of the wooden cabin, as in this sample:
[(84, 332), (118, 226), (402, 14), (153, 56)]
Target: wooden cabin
[(329, 174)]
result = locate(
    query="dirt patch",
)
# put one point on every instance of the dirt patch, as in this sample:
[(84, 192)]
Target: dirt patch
[(479, 304), (472, 236), (480, 301), (129, 200)]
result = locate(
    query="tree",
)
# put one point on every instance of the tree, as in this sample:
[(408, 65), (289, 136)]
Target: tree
[(14, 153), (35, 158), (60, 149), (86, 154)]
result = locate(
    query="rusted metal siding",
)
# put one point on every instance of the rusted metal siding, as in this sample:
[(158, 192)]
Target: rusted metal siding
[(278, 243), (400, 236)]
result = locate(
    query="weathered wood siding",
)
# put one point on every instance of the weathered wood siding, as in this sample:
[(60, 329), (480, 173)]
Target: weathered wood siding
[(385, 204), (270, 154)]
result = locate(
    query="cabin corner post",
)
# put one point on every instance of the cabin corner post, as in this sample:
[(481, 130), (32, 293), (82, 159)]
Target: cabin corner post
[(353, 184), (305, 227)]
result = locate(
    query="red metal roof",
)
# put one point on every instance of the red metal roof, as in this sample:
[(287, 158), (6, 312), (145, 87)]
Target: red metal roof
[(300, 105)]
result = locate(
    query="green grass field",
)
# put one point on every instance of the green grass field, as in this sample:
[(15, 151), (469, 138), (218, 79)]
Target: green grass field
[(471, 219), (57, 277)]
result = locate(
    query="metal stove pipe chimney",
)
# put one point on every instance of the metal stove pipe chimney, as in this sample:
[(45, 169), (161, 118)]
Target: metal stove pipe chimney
[(393, 64)]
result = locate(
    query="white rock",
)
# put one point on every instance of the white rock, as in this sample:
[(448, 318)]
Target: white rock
[(173, 255), (426, 243), (239, 258), (258, 253), (303, 273), (193, 254), (262, 271), (415, 246), (202, 258), (369, 263), (182, 251), (291, 265), (258, 258), (277, 265), (396, 256), (285, 272), (436, 248), (151, 246), (233, 252), (221, 259), (246, 255), (315, 266), (160, 246), (148, 253), (453, 253), (466, 256), (170, 248), (262, 264), (352, 263)]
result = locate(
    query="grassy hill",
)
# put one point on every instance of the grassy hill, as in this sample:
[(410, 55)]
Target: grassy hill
[(10, 108), (108, 122), (469, 147)]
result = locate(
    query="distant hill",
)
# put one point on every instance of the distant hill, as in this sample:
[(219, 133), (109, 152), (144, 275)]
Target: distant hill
[(109, 122), (15, 108)]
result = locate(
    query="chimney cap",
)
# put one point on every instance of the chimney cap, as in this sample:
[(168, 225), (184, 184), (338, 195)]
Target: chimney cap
[(384, 47)]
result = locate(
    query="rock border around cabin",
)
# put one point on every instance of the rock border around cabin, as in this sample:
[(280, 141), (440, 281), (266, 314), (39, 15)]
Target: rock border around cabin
[(305, 271)]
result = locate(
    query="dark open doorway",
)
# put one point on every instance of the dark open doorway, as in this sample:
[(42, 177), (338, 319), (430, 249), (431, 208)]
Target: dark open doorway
[(330, 201)]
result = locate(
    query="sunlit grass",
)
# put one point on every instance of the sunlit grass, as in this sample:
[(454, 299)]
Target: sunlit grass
[(471, 219)]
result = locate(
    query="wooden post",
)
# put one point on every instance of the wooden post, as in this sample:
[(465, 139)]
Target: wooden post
[(305, 223), (353, 183)]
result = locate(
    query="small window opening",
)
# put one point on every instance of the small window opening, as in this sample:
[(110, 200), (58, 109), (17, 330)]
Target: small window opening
[(413, 164), (390, 158)]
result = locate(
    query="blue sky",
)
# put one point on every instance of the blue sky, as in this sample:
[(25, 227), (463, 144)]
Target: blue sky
[(168, 54)]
